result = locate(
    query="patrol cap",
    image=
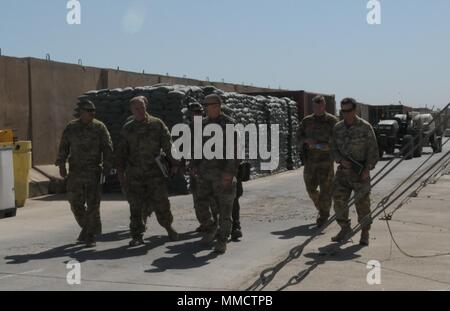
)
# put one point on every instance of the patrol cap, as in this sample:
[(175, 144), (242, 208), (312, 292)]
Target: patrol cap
[(318, 99), (86, 105), (212, 99), (195, 107), (349, 100), (140, 98)]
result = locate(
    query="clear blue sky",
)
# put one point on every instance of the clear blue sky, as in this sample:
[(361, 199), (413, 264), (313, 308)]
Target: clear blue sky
[(318, 45)]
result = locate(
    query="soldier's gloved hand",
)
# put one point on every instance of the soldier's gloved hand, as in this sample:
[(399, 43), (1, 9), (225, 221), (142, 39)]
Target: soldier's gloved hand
[(346, 164), (365, 175), (310, 143), (194, 172), (122, 178), (173, 170), (227, 179), (110, 172), (63, 171)]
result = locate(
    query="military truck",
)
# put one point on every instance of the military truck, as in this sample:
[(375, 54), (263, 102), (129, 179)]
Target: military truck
[(398, 133), (432, 131), (408, 133)]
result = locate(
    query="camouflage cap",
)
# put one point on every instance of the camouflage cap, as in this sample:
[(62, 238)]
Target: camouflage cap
[(318, 99), (212, 99), (195, 107), (348, 100), (86, 105), (139, 98)]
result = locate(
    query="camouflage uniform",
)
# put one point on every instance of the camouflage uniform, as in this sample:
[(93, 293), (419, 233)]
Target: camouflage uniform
[(236, 213), (86, 146), (193, 183), (146, 187), (359, 142), (210, 185), (319, 166)]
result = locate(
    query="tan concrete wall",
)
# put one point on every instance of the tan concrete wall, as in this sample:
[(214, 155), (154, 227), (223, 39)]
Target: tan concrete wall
[(227, 87), (14, 96), (178, 80), (249, 89), (38, 97), (54, 91), (122, 79)]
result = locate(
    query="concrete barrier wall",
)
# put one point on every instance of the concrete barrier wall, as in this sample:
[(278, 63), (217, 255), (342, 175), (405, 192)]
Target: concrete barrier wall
[(38, 97), (121, 79), (226, 87), (54, 91), (14, 96)]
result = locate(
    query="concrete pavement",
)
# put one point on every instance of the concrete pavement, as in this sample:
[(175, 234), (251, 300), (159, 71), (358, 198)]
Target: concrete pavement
[(277, 215)]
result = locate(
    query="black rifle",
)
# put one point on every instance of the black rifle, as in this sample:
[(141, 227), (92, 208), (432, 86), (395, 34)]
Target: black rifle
[(357, 167), (303, 154), (164, 164), (244, 172)]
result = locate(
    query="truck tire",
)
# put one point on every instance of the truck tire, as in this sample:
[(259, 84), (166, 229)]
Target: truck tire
[(419, 147), (380, 153), (438, 144), (407, 147)]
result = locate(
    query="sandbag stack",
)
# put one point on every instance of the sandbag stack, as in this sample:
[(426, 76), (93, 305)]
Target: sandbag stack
[(170, 102)]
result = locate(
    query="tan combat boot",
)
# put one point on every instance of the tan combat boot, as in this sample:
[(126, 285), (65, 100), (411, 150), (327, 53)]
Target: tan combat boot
[(136, 241), (82, 237), (173, 235), (221, 247), (209, 236), (364, 237), (321, 221), (90, 241), (340, 237)]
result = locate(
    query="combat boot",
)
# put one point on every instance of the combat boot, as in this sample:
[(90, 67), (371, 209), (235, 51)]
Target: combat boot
[(322, 218), (340, 237), (321, 221), (209, 236), (364, 241), (221, 247), (236, 234), (90, 241), (173, 235), (82, 236), (136, 241), (200, 229)]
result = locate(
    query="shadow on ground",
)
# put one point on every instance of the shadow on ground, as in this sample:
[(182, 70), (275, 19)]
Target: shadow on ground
[(185, 257), (303, 230), (331, 252), (82, 254)]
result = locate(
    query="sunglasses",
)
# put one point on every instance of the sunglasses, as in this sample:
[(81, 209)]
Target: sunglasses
[(347, 110), (89, 110)]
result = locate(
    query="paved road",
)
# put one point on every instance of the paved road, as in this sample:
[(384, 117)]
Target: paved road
[(36, 245)]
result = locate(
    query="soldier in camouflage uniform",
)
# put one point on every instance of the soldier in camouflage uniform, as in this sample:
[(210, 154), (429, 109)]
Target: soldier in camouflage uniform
[(353, 144), (146, 187), (236, 230), (196, 110), (216, 178), (87, 145), (314, 138)]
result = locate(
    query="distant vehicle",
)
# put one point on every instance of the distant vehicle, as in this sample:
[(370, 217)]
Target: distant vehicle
[(408, 133), (432, 131)]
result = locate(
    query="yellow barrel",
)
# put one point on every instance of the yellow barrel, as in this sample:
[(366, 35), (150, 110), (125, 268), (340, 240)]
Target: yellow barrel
[(22, 166), (6, 136)]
